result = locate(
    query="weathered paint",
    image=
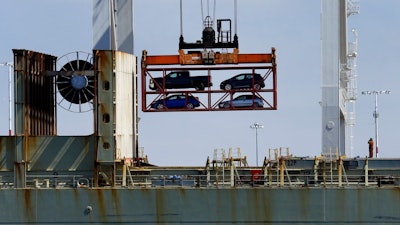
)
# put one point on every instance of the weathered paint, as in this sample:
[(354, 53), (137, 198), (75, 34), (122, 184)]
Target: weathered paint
[(104, 106), (35, 93), (201, 206), (124, 105)]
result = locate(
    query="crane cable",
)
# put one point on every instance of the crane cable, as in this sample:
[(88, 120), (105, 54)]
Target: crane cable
[(181, 18), (208, 11), (235, 12), (215, 7), (202, 13)]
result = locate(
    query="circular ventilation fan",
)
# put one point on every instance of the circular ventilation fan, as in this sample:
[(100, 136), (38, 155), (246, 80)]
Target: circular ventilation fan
[(74, 84)]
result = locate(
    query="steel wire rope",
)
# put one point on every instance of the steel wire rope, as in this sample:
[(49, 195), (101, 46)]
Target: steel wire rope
[(202, 11), (208, 11), (215, 9), (235, 12), (181, 18)]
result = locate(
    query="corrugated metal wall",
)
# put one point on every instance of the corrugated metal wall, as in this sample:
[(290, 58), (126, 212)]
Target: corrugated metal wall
[(34, 93)]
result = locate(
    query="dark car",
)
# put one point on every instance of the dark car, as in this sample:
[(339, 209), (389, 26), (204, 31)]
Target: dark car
[(242, 81), (243, 101), (180, 79), (176, 102)]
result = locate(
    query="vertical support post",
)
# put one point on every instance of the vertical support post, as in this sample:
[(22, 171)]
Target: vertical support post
[(316, 162), (265, 172), (277, 167), (340, 166), (274, 79), (366, 172), (20, 60), (223, 166), (232, 172), (269, 154), (104, 113), (256, 148), (324, 173), (334, 54), (124, 174), (10, 67), (256, 126), (281, 172), (331, 164), (216, 173), (376, 115), (208, 174)]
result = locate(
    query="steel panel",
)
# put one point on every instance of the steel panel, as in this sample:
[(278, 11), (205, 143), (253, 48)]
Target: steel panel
[(7, 153), (34, 93), (201, 206), (61, 154), (334, 42), (106, 36), (115, 111), (35, 102), (104, 109), (124, 71)]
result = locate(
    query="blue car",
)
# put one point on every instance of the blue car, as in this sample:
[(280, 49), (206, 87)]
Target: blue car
[(243, 101), (176, 102)]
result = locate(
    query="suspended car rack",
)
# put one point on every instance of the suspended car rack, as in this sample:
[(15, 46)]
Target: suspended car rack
[(209, 96)]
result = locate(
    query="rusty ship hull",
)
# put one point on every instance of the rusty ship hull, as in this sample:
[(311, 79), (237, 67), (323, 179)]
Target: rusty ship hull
[(156, 198)]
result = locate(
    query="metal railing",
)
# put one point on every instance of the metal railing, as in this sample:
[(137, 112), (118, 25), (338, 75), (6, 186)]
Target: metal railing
[(270, 180)]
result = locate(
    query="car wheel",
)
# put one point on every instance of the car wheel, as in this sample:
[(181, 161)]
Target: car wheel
[(199, 86), (190, 105), (226, 105), (257, 86), (256, 105), (228, 87), (160, 106)]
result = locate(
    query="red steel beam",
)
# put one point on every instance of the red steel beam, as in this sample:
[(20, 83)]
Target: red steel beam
[(195, 58)]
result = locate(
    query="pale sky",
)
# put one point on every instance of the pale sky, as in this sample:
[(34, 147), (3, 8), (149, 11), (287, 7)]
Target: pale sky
[(188, 138)]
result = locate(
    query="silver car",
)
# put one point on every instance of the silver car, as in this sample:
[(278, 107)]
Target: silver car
[(243, 101)]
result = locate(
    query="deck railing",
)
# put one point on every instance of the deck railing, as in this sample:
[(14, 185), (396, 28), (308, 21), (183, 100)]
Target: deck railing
[(271, 180)]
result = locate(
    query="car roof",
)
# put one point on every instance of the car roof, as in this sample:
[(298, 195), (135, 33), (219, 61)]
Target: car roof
[(179, 95), (255, 96), (247, 74)]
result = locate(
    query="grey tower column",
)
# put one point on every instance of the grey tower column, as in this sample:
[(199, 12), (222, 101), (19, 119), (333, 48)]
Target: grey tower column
[(113, 30), (113, 25), (334, 48)]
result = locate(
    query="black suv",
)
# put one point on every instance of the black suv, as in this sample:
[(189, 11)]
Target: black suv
[(243, 80)]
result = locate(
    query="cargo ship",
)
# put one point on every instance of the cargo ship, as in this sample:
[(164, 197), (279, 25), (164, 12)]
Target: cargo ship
[(103, 179)]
